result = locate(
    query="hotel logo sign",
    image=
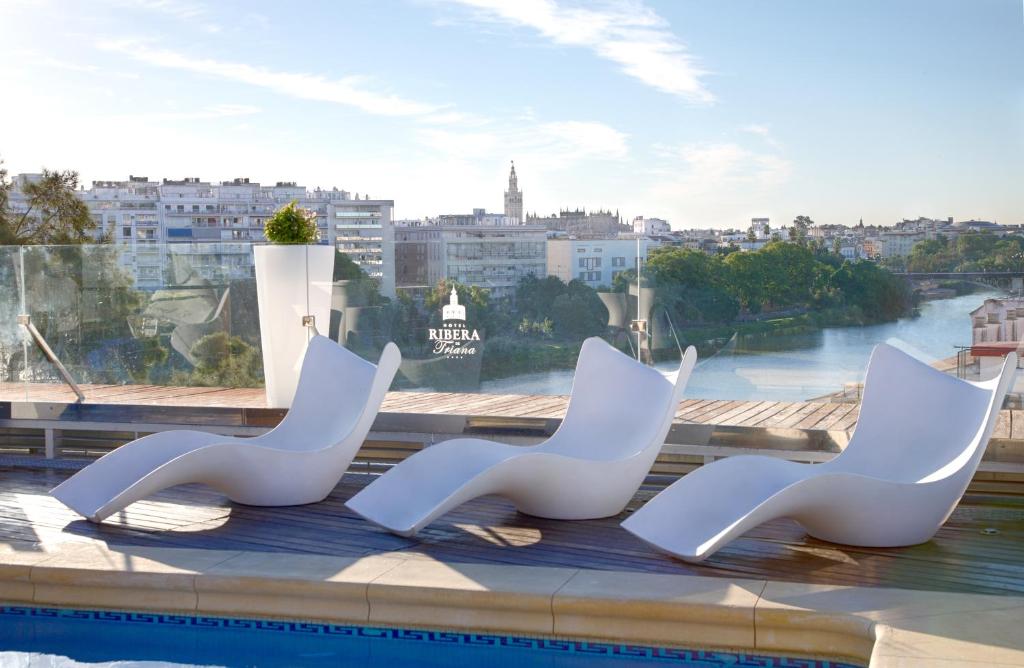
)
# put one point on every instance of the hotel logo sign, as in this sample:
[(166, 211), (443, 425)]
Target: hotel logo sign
[(453, 338)]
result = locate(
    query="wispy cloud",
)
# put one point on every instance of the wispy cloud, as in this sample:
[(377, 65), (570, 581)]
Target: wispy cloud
[(184, 10), (705, 172), (764, 132), (212, 112), (625, 32), (352, 91), (546, 146), (728, 163)]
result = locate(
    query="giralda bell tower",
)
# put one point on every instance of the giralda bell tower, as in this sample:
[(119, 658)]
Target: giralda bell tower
[(514, 198)]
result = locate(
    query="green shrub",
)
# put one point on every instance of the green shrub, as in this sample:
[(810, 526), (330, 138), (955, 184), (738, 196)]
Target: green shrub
[(291, 225)]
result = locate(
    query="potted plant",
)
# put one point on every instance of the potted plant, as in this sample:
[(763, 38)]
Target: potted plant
[(293, 290)]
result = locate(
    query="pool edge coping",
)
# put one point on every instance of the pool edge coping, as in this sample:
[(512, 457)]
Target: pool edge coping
[(879, 627)]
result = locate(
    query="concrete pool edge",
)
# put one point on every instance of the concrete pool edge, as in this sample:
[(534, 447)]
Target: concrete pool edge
[(877, 627)]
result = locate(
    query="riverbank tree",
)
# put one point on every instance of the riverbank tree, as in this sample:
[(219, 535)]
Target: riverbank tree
[(700, 289), (977, 251)]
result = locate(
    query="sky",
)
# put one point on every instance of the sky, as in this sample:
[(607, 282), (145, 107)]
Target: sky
[(703, 113)]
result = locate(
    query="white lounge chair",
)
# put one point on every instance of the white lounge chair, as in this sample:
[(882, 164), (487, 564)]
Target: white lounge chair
[(618, 416), (917, 444), (299, 461)]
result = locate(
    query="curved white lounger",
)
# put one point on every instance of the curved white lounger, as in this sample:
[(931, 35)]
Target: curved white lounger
[(299, 461), (618, 416), (917, 444)]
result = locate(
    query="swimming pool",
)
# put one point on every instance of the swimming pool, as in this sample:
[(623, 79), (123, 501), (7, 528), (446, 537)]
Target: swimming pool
[(63, 637)]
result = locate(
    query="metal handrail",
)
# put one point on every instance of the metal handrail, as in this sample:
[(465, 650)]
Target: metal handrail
[(25, 320)]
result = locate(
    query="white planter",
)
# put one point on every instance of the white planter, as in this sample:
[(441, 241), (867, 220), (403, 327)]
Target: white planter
[(291, 282)]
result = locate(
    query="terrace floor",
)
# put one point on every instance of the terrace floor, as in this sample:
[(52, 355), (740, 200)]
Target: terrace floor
[(811, 415), (977, 551)]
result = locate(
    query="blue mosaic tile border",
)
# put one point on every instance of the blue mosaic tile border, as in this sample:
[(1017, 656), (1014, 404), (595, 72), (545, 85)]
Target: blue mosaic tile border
[(654, 654)]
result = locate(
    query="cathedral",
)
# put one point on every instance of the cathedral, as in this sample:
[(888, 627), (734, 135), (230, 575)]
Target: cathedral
[(514, 199)]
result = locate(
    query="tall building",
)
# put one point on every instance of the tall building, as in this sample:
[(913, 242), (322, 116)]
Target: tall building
[(514, 198), (158, 223), (495, 257)]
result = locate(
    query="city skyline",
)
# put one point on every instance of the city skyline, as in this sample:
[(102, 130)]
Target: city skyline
[(705, 116)]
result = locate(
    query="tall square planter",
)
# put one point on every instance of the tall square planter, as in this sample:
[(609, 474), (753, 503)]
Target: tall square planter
[(291, 282)]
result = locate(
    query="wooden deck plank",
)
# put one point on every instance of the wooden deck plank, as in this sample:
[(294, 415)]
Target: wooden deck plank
[(758, 419), (813, 419), (488, 530), (790, 419), (836, 416), (737, 415), (849, 421)]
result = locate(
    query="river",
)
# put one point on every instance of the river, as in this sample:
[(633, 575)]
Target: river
[(796, 367)]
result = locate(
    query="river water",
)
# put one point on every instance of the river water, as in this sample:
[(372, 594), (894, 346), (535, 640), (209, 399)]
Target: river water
[(797, 367)]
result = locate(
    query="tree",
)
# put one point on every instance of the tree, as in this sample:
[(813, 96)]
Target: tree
[(579, 313), (837, 246), (535, 296), (802, 225), (223, 360), (477, 300), (345, 269), (52, 212), (874, 291), (548, 305)]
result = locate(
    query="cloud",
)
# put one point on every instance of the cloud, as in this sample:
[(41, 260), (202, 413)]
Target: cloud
[(212, 112), (713, 183), (350, 91), (713, 165), (546, 146), (183, 10), (764, 132), (626, 33)]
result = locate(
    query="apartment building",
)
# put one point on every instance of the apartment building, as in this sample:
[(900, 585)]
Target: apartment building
[(495, 257), (211, 226), (594, 261), (894, 244)]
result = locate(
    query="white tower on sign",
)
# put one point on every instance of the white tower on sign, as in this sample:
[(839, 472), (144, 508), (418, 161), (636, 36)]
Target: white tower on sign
[(453, 310)]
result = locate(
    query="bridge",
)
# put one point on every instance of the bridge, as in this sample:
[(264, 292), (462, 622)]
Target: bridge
[(1004, 280), (965, 275)]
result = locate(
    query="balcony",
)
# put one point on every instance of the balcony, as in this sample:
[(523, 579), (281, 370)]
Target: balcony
[(179, 346)]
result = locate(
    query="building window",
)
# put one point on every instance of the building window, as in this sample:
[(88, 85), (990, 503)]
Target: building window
[(590, 262), (618, 262), (126, 232)]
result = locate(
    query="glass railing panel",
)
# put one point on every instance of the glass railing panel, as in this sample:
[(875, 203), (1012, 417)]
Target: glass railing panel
[(186, 316), (13, 353), (166, 315)]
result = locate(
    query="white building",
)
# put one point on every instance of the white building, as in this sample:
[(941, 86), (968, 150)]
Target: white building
[(157, 221), (478, 217), (895, 244), (594, 261), (760, 228), (650, 226), (495, 257)]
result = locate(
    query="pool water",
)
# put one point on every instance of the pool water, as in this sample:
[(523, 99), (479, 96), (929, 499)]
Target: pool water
[(58, 637)]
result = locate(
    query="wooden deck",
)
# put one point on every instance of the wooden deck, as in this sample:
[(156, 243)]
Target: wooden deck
[(819, 415), (966, 555), (815, 415)]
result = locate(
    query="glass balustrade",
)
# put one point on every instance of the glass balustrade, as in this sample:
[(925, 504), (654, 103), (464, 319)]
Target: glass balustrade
[(119, 319)]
